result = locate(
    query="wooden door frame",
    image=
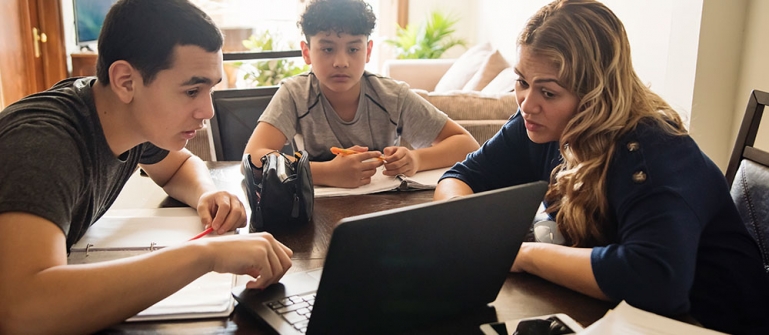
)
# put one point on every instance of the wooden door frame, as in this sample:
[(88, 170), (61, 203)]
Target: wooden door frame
[(26, 22), (22, 74), (403, 13), (54, 51)]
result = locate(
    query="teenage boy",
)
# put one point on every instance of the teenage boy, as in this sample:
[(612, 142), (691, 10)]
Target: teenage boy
[(339, 104), (68, 151)]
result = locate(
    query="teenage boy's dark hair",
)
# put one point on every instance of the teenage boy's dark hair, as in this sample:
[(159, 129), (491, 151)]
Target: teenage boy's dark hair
[(353, 17), (145, 32)]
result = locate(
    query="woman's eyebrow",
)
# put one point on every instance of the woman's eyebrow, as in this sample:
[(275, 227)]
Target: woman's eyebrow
[(538, 80), (546, 80)]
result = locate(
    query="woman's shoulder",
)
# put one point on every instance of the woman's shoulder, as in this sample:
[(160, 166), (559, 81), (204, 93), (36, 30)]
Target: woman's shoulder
[(652, 140), (651, 155)]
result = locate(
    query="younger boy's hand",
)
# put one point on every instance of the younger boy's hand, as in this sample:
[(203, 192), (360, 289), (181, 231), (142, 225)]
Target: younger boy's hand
[(354, 170), (400, 160), (222, 211)]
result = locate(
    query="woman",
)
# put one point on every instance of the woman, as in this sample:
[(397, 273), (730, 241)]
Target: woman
[(646, 216)]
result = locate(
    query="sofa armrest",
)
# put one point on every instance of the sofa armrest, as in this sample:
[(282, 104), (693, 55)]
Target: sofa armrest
[(418, 73)]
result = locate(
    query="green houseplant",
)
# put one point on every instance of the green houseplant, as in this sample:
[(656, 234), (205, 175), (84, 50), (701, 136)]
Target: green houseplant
[(268, 72), (428, 40)]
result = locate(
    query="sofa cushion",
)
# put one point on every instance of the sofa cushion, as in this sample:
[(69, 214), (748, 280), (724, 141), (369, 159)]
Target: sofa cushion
[(489, 70), (464, 68), (472, 105), (503, 82)]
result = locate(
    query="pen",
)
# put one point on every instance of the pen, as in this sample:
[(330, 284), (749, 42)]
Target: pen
[(204, 233), (398, 132), (344, 152)]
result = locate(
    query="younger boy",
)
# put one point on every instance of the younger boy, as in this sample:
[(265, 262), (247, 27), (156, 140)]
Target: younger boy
[(339, 104), (68, 151)]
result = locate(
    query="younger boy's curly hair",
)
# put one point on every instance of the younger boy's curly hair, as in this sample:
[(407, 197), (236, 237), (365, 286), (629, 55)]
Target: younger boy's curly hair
[(354, 17)]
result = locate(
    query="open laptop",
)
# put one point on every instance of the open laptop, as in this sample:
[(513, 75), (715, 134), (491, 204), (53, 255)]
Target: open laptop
[(393, 270)]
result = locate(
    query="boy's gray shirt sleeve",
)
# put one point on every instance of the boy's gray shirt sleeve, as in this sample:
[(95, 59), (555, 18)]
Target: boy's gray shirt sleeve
[(281, 112), (422, 122)]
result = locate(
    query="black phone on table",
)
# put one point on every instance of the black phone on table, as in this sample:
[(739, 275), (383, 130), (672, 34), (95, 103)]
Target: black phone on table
[(553, 324)]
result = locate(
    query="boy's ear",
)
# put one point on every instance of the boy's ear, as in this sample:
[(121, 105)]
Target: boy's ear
[(369, 46), (122, 80), (306, 52)]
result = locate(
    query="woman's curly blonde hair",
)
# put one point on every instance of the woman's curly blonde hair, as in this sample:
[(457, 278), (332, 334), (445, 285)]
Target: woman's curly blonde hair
[(589, 46)]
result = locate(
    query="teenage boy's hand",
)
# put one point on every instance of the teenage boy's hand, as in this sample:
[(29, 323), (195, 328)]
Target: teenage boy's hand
[(400, 160), (354, 170), (221, 210), (259, 255)]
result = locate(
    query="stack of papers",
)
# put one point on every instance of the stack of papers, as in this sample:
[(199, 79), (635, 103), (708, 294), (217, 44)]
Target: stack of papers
[(628, 320), (206, 297), (126, 232)]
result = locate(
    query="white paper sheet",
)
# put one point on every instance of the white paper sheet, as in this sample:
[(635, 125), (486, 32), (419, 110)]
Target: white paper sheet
[(628, 320), (139, 228)]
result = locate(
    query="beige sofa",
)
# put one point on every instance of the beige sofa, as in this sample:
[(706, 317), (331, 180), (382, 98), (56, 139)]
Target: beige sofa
[(485, 100)]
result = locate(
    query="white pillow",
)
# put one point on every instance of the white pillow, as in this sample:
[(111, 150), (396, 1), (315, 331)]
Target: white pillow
[(493, 65), (503, 82), (465, 67)]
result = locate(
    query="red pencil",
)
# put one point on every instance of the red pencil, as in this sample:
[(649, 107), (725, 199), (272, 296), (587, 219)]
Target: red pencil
[(204, 233)]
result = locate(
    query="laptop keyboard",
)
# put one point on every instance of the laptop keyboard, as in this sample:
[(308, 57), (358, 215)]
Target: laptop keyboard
[(295, 309)]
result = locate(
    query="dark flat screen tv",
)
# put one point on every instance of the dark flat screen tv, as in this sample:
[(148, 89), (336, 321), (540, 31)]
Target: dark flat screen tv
[(89, 16)]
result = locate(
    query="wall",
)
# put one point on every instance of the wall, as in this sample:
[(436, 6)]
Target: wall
[(754, 73), (717, 75)]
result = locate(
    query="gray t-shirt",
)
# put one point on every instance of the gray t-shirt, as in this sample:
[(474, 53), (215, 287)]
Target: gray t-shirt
[(56, 162), (299, 107)]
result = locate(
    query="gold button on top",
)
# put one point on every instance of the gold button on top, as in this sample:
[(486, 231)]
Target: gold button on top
[(639, 177), (633, 146)]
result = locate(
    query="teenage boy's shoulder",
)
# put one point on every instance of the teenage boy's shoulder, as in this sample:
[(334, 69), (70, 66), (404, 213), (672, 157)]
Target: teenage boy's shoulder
[(67, 102)]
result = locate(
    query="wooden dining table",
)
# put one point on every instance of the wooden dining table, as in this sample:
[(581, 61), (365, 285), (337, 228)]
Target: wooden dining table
[(521, 296)]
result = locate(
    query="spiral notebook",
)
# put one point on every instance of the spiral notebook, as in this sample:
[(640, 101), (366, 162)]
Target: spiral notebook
[(125, 233), (423, 180)]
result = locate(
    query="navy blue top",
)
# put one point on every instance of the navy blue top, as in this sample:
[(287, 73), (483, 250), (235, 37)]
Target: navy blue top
[(680, 245)]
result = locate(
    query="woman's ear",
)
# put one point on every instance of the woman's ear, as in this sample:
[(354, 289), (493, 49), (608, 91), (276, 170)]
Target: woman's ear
[(122, 80)]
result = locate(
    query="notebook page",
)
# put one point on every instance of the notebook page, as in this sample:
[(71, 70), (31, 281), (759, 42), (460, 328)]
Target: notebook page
[(128, 229), (379, 183)]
